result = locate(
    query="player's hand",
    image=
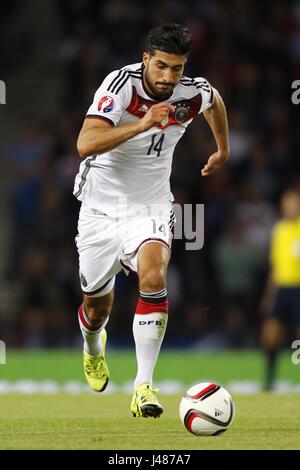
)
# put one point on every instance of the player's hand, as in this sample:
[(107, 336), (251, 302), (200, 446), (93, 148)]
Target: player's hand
[(215, 161), (156, 115)]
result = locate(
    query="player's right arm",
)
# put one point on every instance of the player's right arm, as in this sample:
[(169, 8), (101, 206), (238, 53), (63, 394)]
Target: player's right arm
[(98, 135)]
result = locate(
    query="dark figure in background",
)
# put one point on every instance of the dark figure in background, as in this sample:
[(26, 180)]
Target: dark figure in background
[(281, 299)]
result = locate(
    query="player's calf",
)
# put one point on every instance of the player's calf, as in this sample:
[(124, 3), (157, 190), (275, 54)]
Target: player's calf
[(98, 309), (93, 315)]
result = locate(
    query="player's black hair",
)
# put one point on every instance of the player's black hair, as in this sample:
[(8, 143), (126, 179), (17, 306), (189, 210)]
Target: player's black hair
[(171, 38)]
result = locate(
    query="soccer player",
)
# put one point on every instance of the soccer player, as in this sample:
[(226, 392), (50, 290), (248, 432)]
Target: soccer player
[(281, 299), (127, 141)]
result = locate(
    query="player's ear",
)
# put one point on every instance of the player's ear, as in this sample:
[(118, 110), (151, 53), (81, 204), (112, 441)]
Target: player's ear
[(145, 58)]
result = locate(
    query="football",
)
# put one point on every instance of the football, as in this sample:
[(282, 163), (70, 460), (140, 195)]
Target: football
[(206, 409)]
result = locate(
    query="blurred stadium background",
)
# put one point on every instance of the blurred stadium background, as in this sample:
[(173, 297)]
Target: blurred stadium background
[(54, 54)]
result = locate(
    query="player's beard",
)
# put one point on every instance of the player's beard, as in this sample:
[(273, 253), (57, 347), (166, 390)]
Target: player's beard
[(159, 95)]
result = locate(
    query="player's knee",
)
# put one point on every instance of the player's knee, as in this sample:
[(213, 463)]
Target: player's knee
[(271, 336), (153, 280), (269, 342)]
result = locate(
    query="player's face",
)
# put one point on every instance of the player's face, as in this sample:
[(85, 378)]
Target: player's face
[(290, 205), (162, 72)]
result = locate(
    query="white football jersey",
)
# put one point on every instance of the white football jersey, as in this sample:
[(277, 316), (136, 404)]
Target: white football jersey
[(137, 171)]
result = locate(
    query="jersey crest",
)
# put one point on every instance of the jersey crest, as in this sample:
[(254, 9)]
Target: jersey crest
[(184, 109)]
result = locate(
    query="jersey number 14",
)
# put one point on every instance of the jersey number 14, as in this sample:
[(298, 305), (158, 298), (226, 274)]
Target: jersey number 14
[(156, 145)]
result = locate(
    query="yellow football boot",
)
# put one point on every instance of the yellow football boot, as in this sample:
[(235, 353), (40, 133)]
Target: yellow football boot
[(144, 402), (95, 368)]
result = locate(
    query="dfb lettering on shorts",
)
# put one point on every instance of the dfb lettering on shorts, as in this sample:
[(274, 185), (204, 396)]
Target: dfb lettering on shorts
[(2, 92)]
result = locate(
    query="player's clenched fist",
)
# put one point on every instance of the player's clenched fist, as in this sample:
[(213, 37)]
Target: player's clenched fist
[(157, 114)]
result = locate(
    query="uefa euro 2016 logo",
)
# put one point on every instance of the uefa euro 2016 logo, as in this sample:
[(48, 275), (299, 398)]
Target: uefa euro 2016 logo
[(106, 104), (2, 352), (2, 92)]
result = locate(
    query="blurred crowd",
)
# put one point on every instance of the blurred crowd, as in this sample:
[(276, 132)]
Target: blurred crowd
[(250, 52)]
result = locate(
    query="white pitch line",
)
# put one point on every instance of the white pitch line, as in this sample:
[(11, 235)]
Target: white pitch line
[(166, 387)]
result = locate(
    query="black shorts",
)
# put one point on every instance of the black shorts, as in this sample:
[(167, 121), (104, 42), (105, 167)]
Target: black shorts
[(286, 305)]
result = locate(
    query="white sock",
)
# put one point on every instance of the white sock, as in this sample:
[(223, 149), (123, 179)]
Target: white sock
[(92, 341), (148, 331)]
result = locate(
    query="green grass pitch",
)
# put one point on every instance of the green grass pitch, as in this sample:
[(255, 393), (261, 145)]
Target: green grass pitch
[(263, 421), (188, 367), (91, 421)]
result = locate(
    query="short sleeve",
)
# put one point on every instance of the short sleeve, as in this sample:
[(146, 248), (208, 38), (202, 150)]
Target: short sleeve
[(112, 97), (206, 91)]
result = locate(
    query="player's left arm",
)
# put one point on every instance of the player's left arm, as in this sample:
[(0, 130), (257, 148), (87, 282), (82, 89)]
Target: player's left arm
[(216, 117)]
